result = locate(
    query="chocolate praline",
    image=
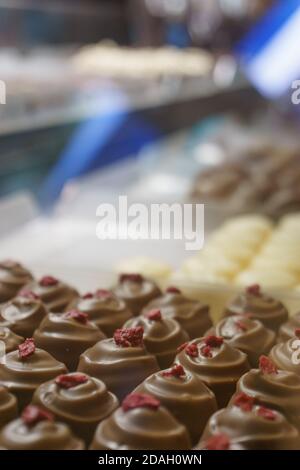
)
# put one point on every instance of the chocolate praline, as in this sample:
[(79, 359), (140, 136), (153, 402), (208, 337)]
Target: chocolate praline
[(122, 365), (191, 315), (105, 309), (55, 294), (258, 428), (136, 291), (286, 356), (13, 276), (78, 400), (65, 336), (287, 330), (259, 306), (145, 426), (23, 314), (8, 406), (216, 363), (11, 340), (247, 335), (184, 395), (21, 375), (43, 434), (162, 336), (279, 390)]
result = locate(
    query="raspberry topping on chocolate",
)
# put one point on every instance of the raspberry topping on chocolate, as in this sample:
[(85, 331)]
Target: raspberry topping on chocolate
[(192, 350), (266, 413), (254, 290), (244, 401), (103, 294), (29, 294), (297, 332), (69, 381), (48, 281), (88, 295), (140, 400), (27, 348), (206, 351), (173, 290), (81, 317), (176, 371), (267, 366), (213, 341), (33, 415), (240, 325), (129, 337), (137, 278), (154, 315), (218, 442)]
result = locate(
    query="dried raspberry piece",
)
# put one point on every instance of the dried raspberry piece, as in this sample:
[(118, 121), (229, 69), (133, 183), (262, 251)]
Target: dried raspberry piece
[(77, 315), (206, 351), (217, 442), (192, 350), (297, 332), (254, 290), (241, 325), (138, 278), (173, 290), (29, 294), (243, 401), (154, 315), (88, 295), (103, 294), (27, 348), (213, 341), (182, 347), (176, 371), (267, 366), (266, 413), (129, 337), (33, 414), (140, 400), (70, 380), (48, 281)]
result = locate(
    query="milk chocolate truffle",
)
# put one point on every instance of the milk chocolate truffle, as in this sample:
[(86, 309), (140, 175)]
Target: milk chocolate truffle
[(105, 309), (78, 400), (22, 371), (184, 395), (13, 276), (67, 336), (23, 314), (122, 362), (136, 291), (273, 388), (55, 294), (253, 426), (141, 424), (11, 340), (216, 363), (36, 430), (247, 335), (287, 330), (255, 304), (286, 356), (8, 407), (190, 314), (162, 336)]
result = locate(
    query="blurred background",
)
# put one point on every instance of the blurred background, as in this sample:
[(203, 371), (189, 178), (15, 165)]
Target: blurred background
[(168, 100)]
